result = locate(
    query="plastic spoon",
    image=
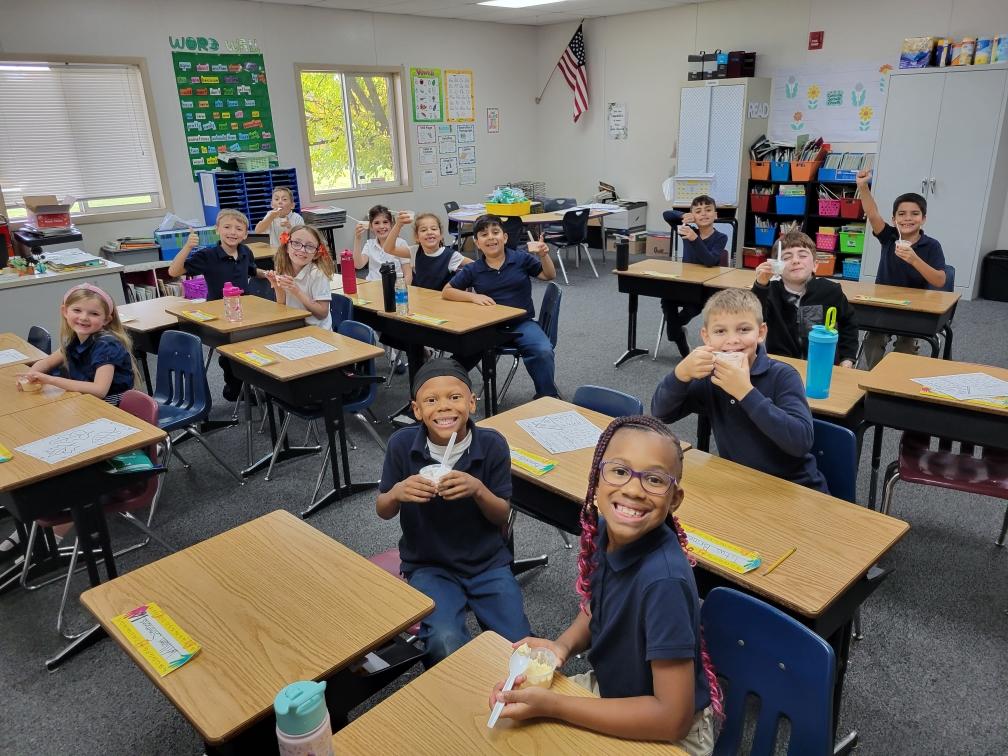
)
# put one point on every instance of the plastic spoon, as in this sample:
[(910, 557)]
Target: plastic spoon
[(517, 664), (448, 449)]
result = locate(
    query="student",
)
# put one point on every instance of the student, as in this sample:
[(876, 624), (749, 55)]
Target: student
[(302, 269), (433, 264), (502, 277), (453, 548), (701, 246), (908, 258), (758, 410), (229, 261), (800, 300), (281, 218), (372, 255), (640, 613)]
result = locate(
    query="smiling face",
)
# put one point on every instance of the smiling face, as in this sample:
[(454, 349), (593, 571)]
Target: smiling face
[(381, 224), (490, 240), (86, 316), (799, 264), (630, 510), (908, 219), (704, 215), (302, 247), (428, 232), (283, 202), (232, 232), (734, 332), (443, 405)]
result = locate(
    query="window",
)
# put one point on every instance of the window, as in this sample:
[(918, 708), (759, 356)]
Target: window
[(80, 129), (353, 125)]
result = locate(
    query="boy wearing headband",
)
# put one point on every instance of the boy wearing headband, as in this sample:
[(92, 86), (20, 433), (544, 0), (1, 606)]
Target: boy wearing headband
[(453, 546)]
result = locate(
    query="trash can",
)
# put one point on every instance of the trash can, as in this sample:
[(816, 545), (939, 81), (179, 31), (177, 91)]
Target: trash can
[(994, 276)]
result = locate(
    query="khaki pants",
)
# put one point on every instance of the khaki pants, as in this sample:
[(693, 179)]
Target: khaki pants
[(699, 741), (875, 345)]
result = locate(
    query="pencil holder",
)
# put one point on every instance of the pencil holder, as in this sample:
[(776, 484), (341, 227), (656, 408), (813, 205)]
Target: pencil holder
[(760, 203), (759, 170), (850, 208), (780, 170), (829, 207)]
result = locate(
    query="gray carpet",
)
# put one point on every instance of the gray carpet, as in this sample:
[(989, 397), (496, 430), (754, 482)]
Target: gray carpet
[(927, 679)]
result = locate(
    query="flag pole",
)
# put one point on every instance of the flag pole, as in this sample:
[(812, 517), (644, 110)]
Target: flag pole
[(539, 98)]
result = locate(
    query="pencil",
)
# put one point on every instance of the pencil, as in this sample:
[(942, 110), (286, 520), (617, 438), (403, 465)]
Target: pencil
[(780, 561)]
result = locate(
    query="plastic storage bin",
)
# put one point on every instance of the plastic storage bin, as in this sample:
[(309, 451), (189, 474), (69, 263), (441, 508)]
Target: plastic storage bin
[(760, 203), (850, 207), (759, 169), (780, 170), (751, 258), (825, 264), (765, 236), (829, 207), (804, 170), (826, 242), (194, 288), (852, 269), (172, 241), (851, 243), (787, 205)]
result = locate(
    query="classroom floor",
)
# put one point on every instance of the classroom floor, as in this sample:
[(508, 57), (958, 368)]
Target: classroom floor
[(928, 678)]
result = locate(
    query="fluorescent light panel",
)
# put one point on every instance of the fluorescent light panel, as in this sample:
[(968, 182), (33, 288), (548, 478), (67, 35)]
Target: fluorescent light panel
[(519, 3)]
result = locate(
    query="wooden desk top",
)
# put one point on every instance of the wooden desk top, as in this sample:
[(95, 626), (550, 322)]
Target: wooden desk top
[(468, 216), (256, 312), (45, 420), (271, 601), (444, 711), (892, 376), (12, 400), (348, 351), (151, 315), (836, 541), (460, 317), (845, 394), (13, 341), (921, 300), (735, 278), (262, 251), (685, 272)]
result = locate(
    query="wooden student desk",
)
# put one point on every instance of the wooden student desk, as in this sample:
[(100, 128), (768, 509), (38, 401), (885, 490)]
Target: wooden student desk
[(270, 602), (893, 400), (145, 322), (13, 341), (444, 711), (319, 380), (260, 317), (12, 400), (262, 252), (468, 329), (682, 282), (735, 278)]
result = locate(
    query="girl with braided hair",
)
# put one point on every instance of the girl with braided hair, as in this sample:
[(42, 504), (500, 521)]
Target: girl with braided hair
[(639, 609)]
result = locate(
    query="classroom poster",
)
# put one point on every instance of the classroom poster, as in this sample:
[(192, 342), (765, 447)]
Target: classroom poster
[(467, 174), (616, 120), (493, 120), (225, 105), (839, 106), (446, 144), (449, 166), (428, 154), (466, 133), (426, 133), (459, 97), (426, 87), (467, 155), (428, 177)]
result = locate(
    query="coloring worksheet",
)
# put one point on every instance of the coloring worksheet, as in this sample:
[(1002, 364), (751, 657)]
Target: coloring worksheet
[(74, 441), (965, 385), (297, 349), (562, 431), (9, 356)]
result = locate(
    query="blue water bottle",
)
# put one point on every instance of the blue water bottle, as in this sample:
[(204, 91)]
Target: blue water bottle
[(822, 342)]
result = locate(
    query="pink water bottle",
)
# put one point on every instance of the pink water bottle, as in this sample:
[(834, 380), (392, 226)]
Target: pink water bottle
[(232, 303), (303, 726), (348, 272)]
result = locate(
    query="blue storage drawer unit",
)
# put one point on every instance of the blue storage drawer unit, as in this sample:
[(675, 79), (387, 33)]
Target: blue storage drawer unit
[(251, 192)]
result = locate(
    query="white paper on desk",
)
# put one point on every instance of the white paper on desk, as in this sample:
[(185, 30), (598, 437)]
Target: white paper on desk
[(9, 356), (562, 431), (74, 441), (966, 385), (297, 349)]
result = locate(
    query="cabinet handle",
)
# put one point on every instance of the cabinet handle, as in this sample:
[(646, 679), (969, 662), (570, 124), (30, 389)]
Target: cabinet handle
[(924, 187), (932, 185)]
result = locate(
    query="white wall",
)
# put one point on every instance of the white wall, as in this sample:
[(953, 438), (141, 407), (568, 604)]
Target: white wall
[(640, 59), (289, 34)]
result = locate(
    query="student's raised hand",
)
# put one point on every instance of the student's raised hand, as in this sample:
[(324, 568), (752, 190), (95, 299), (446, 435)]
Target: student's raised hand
[(284, 283), (686, 232), (483, 299), (688, 218), (538, 247), (527, 703), (192, 240), (862, 178), (764, 272), (697, 364), (359, 230), (416, 489), (404, 218), (458, 485), (905, 251), (732, 379)]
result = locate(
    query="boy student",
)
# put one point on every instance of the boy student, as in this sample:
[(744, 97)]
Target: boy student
[(908, 258), (228, 261), (799, 300), (452, 547), (281, 216), (502, 277), (702, 245), (756, 405)]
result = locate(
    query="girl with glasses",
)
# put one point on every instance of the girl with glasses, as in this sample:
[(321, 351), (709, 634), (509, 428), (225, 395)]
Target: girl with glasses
[(302, 269)]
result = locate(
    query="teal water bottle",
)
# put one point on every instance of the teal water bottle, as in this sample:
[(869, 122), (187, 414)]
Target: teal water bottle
[(822, 343), (303, 726)]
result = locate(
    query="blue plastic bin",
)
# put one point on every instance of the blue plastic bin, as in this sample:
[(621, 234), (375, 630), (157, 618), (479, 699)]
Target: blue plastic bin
[(780, 170), (852, 269), (172, 241), (790, 205), (765, 236)]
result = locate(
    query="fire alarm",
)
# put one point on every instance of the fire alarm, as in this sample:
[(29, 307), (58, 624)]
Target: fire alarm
[(815, 40)]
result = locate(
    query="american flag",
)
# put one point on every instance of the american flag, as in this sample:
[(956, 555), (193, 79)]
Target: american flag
[(572, 66)]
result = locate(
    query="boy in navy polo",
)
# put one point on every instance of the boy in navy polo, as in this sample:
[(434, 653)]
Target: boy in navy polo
[(756, 405), (453, 547), (502, 277), (229, 261), (908, 258)]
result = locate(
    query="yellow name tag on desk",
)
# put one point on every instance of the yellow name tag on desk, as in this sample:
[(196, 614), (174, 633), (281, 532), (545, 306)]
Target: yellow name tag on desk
[(254, 357), (427, 319), (156, 637), (199, 315), (881, 300), (659, 274)]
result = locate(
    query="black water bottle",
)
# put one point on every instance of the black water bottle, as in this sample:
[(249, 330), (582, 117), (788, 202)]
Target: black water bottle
[(388, 279), (622, 254)]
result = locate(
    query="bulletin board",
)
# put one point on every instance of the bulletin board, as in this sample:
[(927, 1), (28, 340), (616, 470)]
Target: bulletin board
[(225, 105)]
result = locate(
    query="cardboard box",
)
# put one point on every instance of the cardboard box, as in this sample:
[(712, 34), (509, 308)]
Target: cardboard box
[(659, 244), (636, 240), (46, 211)]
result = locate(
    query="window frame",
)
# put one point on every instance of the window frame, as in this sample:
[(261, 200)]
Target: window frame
[(401, 143), (141, 64)]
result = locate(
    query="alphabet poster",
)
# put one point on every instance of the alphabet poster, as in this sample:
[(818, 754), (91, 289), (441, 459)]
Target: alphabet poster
[(427, 103), (459, 95)]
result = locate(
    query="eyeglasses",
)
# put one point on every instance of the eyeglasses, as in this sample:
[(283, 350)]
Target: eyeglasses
[(297, 246), (653, 481)]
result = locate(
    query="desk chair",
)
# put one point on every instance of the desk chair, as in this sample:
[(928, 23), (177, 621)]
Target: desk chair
[(554, 205), (607, 401), (515, 230), (549, 321), (574, 234), (455, 227), (39, 338), (340, 308), (758, 650)]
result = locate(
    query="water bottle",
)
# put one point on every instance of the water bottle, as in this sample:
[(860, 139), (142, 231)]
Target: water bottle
[(232, 303), (388, 279), (348, 272), (401, 295), (822, 342), (303, 726)]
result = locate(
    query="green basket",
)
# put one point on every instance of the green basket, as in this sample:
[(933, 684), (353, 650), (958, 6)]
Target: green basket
[(851, 243)]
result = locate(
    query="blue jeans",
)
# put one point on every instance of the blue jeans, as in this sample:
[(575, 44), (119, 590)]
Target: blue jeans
[(494, 597), (536, 352)]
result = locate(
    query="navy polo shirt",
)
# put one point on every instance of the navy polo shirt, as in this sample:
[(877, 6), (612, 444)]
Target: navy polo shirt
[(218, 267), (644, 607), (453, 535), (895, 272), (82, 360), (508, 286), (705, 251)]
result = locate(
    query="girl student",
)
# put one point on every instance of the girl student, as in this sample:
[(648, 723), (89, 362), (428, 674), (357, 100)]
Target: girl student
[(281, 218), (372, 254), (640, 613), (302, 269), (433, 264)]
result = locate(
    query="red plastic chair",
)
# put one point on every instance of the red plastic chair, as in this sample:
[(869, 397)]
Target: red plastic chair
[(986, 475)]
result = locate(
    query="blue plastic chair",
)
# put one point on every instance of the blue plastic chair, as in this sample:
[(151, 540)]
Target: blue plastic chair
[(836, 453), (341, 308), (607, 401), (759, 650), (182, 393), (39, 338), (549, 321)]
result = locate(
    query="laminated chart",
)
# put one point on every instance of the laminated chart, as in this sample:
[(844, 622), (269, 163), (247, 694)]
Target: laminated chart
[(562, 431)]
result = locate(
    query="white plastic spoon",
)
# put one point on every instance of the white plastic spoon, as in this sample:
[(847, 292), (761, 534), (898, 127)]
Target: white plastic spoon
[(517, 664)]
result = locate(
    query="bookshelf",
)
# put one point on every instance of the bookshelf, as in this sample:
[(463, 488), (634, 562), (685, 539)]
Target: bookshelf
[(250, 192)]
